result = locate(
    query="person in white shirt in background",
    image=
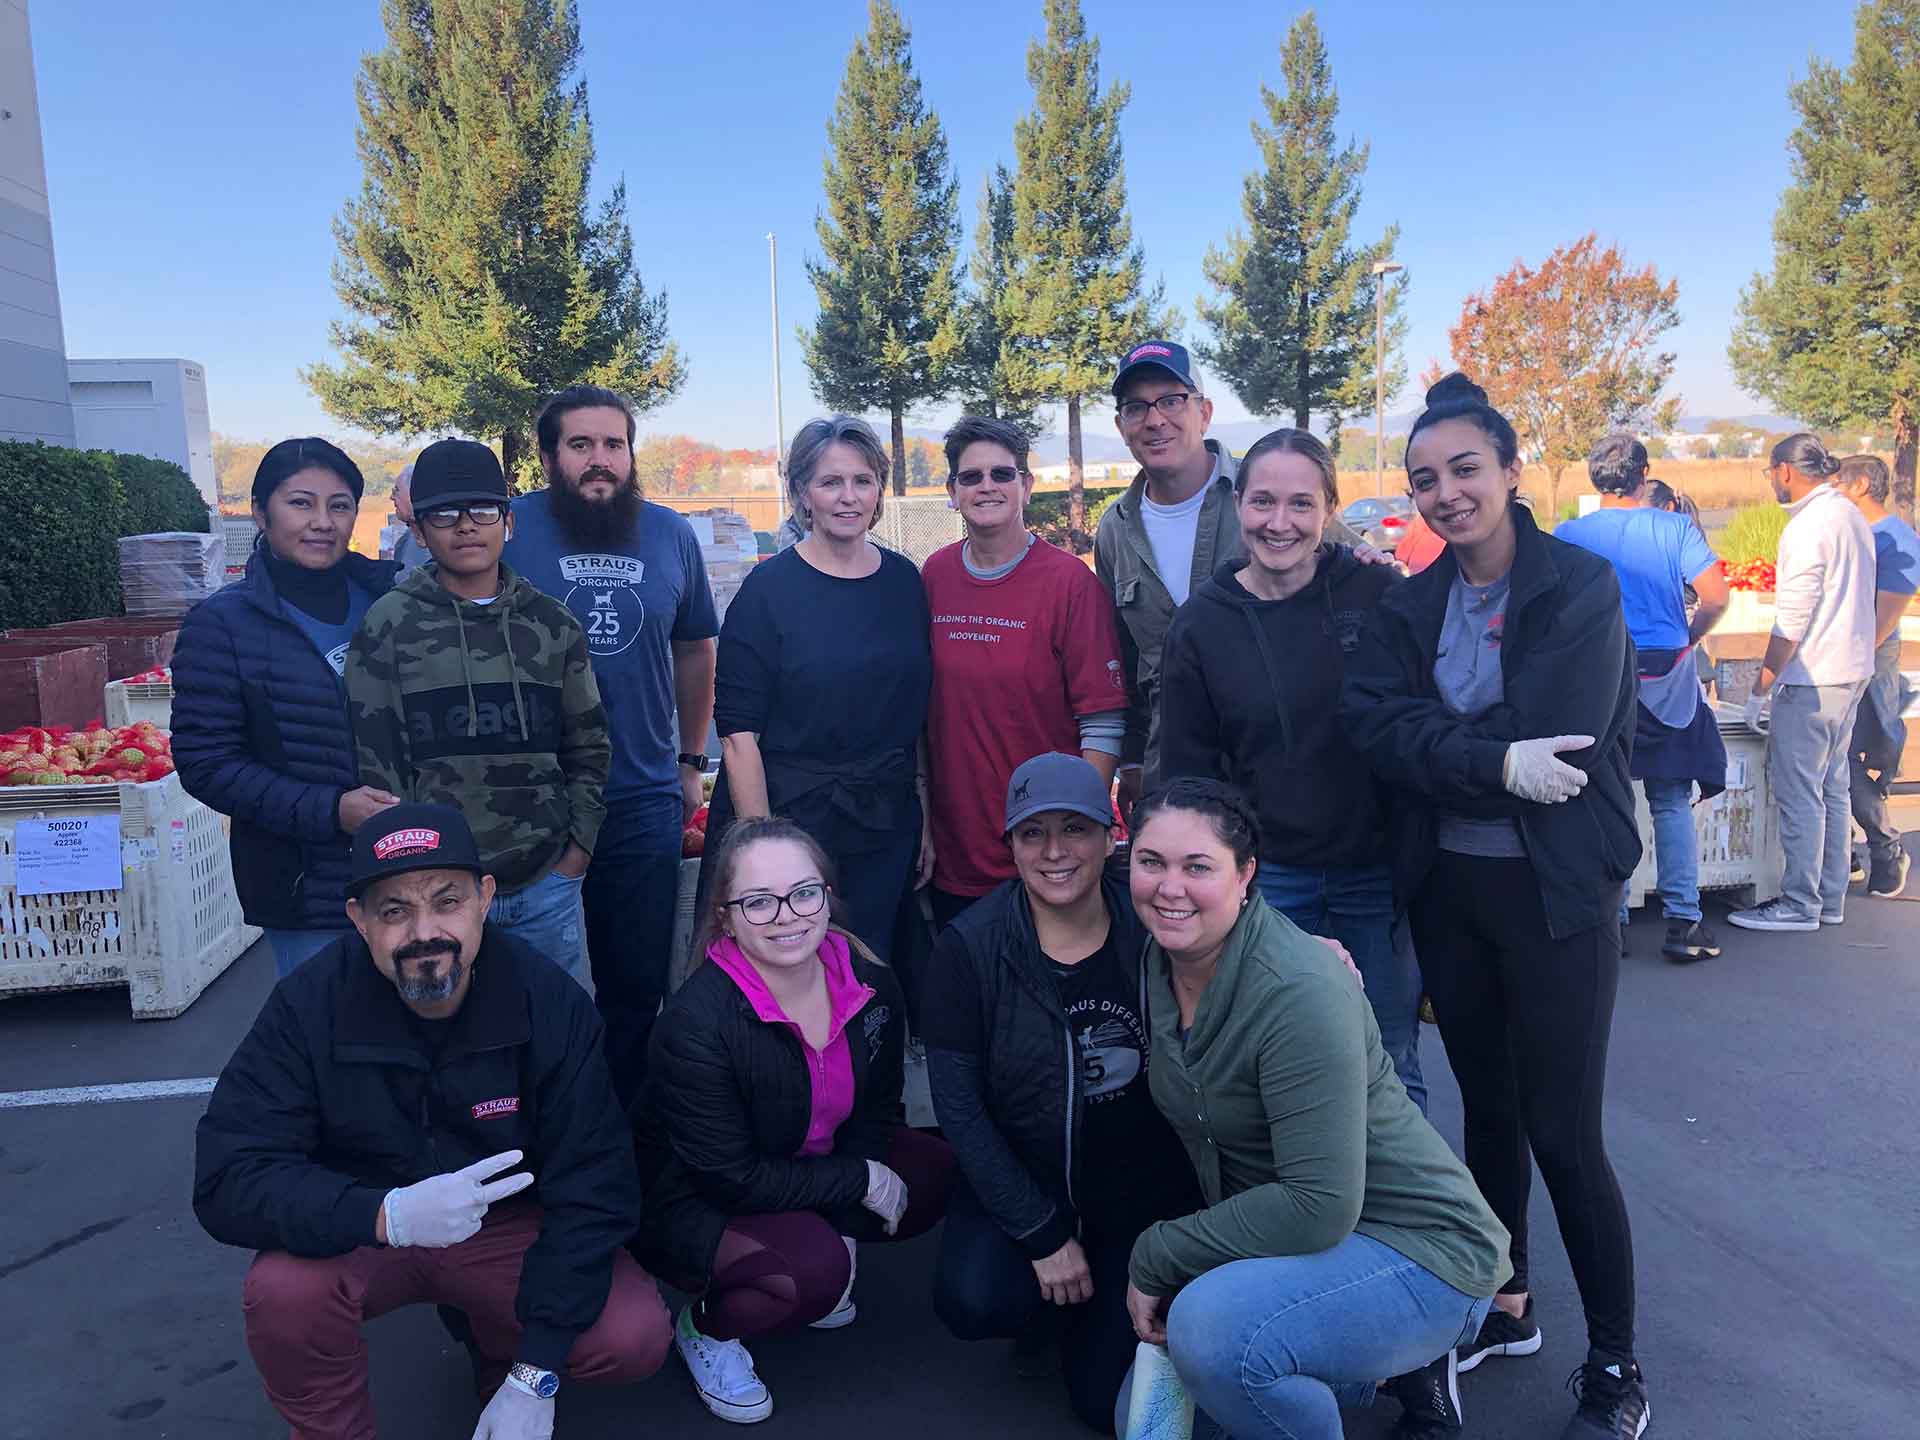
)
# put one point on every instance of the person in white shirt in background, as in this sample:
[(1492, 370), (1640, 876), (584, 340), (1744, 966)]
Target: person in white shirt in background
[(407, 547), (1818, 661)]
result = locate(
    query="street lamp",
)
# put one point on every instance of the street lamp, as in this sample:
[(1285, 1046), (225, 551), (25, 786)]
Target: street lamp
[(1381, 269)]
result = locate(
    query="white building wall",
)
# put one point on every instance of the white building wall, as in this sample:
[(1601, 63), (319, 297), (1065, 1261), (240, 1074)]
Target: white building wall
[(146, 407), (33, 348)]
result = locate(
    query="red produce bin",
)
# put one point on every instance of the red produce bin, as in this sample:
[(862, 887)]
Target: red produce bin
[(51, 682), (134, 645)]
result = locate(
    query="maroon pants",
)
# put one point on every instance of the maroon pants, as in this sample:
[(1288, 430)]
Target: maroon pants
[(786, 1270), (303, 1318)]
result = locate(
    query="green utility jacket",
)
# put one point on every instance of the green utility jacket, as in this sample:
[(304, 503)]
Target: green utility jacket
[(489, 708), (1297, 1126)]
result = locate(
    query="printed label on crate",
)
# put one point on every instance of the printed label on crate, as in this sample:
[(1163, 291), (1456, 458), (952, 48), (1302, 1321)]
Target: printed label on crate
[(1736, 772), (79, 852)]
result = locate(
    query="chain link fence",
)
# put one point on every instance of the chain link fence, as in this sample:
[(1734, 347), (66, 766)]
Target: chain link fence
[(917, 525)]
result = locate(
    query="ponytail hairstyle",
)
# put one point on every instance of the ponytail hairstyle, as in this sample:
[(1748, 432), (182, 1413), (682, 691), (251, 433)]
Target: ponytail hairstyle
[(741, 836), (1290, 442), (1226, 810), (1806, 455), (1458, 398)]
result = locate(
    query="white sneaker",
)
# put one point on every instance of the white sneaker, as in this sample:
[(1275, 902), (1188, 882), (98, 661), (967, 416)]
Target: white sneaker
[(844, 1313), (722, 1373)]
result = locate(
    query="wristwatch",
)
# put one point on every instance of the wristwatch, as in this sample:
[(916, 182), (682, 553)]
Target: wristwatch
[(693, 761), (541, 1384)]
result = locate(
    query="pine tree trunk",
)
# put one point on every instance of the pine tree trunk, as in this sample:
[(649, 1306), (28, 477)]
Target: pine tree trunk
[(1906, 449), (510, 451), (899, 449), (1076, 471)]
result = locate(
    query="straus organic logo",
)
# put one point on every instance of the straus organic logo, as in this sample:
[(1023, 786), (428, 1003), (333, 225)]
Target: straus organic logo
[(405, 842)]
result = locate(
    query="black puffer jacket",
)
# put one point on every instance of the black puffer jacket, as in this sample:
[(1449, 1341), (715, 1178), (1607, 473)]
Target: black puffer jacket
[(260, 733), (1007, 1085), (335, 1097), (1568, 668), (725, 1109)]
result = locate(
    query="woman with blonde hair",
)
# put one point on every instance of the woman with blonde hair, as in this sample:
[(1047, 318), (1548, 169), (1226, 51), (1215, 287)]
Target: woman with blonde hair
[(767, 1131)]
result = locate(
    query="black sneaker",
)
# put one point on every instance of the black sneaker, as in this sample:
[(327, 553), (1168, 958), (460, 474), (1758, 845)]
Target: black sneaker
[(1613, 1400), (1501, 1334), (1890, 879), (1689, 940), (1431, 1396)]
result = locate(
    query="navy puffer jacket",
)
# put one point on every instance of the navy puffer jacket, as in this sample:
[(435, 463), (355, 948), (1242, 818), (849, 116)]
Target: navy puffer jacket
[(260, 733)]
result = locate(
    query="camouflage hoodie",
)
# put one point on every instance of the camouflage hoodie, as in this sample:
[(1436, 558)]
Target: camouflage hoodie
[(491, 708)]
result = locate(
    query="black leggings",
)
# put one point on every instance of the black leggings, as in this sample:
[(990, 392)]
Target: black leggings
[(984, 1288), (1526, 1020)]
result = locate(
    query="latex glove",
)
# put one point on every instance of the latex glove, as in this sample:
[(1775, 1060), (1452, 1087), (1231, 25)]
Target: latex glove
[(1534, 770), (1065, 1277), (1759, 713), (513, 1414), (886, 1195), (448, 1208)]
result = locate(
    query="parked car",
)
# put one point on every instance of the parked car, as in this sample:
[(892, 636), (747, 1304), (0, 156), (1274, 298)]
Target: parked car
[(1381, 520)]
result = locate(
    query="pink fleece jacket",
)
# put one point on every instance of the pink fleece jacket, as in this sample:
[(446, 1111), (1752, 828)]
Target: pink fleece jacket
[(830, 1069)]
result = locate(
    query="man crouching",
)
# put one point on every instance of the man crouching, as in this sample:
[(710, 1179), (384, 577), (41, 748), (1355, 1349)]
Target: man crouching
[(421, 1114)]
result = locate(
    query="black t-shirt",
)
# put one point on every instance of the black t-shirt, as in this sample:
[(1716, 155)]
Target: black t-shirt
[(1132, 1169)]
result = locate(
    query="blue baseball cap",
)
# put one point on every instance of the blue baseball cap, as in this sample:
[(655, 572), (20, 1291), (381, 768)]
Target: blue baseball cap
[(1160, 354), (1057, 782)]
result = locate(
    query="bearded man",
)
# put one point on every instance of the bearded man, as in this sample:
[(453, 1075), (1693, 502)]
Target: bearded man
[(632, 573)]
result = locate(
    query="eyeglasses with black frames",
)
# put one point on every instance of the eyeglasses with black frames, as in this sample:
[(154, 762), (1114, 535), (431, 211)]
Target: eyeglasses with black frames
[(445, 517), (1132, 412), (805, 901)]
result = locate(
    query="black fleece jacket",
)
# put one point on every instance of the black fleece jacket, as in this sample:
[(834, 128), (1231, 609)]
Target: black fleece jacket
[(1250, 694), (1568, 667)]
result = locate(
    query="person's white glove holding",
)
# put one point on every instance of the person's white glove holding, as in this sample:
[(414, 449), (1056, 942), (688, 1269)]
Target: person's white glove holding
[(1759, 712), (447, 1209), (1534, 770), (886, 1195), (513, 1414)]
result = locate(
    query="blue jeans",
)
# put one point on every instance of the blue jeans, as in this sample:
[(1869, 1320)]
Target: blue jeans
[(1676, 849), (1354, 905), (1276, 1347), (632, 891), (293, 948), (546, 918)]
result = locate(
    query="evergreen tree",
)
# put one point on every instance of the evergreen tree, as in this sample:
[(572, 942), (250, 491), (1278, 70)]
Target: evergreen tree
[(982, 382), (1294, 322), (480, 282), (889, 325), (1833, 334), (1074, 300)]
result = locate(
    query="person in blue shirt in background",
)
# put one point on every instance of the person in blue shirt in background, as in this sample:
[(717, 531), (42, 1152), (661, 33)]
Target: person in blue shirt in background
[(1657, 554), (1879, 734), (632, 573)]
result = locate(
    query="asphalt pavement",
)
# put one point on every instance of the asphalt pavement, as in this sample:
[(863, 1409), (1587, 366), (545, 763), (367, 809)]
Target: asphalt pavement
[(1761, 1116)]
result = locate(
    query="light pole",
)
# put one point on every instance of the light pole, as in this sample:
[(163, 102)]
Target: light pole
[(779, 422), (1381, 269)]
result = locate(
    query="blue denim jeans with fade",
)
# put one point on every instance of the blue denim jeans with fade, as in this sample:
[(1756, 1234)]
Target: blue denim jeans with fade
[(546, 917)]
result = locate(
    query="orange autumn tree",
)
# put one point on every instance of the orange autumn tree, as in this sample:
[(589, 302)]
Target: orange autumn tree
[(1568, 351)]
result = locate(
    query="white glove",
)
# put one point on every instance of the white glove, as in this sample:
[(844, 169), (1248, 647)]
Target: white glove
[(1534, 771), (886, 1195), (513, 1414), (447, 1209), (1759, 713)]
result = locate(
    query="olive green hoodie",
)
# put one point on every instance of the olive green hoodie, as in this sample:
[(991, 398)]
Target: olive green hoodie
[(491, 708), (1300, 1132)]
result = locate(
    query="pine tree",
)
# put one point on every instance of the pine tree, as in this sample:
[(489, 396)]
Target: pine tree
[(981, 380), (1833, 334), (1293, 324), (889, 324), (480, 282), (1074, 300)]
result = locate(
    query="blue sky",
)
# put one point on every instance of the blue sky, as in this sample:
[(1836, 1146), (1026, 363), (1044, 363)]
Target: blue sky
[(197, 155)]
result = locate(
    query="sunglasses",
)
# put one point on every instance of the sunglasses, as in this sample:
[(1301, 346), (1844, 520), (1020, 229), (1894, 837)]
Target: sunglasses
[(999, 474)]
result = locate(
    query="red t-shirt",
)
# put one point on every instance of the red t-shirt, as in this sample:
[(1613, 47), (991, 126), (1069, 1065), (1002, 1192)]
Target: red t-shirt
[(1015, 660)]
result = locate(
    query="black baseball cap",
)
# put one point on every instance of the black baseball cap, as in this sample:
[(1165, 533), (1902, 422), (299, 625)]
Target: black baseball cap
[(457, 472), (1160, 354), (404, 838), (1057, 782)]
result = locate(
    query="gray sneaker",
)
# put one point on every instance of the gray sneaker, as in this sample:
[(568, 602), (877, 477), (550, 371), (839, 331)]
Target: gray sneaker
[(1777, 914), (1890, 879)]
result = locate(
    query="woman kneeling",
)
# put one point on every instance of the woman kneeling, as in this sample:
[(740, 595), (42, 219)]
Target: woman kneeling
[(1342, 1240), (768, 1130)]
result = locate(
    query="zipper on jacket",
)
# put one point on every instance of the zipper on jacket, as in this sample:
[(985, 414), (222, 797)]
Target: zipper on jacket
[(1073, 1100)]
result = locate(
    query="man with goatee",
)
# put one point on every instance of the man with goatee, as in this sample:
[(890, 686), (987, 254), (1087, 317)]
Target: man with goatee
[(631, 571)]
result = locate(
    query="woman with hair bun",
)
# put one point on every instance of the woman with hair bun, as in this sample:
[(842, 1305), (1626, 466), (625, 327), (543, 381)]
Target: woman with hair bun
[(1496, 690), (260, 728)]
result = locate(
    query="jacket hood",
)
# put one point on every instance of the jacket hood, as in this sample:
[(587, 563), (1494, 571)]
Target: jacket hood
[(420, 584), (1223, 587)]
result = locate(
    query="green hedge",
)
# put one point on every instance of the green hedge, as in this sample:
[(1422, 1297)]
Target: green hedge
[(62, 513)]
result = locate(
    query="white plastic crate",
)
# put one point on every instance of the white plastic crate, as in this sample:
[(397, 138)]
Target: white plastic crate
[(172, 927), (1738, 830), (129, 702)]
